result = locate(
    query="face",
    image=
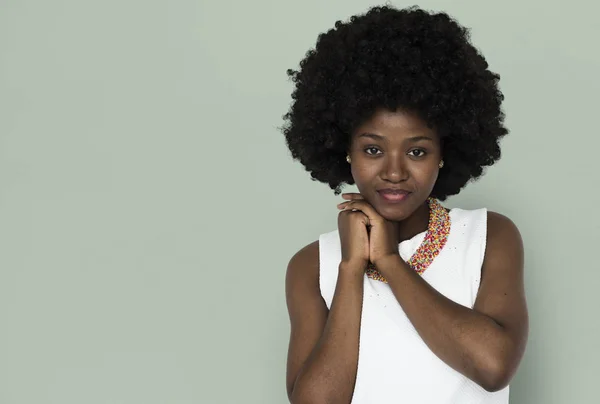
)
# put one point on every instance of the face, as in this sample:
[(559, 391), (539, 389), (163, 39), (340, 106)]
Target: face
[(397, 152)]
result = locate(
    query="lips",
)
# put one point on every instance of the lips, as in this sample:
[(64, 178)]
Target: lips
[(393, 195), (392, 191)]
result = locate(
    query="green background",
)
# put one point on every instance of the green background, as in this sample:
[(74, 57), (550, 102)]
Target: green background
[(149, 206)]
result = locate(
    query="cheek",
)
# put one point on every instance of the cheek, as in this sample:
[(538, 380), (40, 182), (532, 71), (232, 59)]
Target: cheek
[(364, 172), (427, 175)]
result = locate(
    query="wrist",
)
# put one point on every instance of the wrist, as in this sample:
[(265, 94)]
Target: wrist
[(354, 267), (389, 261)]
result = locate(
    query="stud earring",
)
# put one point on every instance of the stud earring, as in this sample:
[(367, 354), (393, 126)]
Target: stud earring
[(348, 158), (441, 164)]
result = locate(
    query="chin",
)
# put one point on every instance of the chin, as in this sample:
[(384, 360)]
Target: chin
[(397, 211), (393, 213), (396, 217)]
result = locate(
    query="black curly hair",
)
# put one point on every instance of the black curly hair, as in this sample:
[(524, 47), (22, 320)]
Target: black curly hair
[(395, 58)]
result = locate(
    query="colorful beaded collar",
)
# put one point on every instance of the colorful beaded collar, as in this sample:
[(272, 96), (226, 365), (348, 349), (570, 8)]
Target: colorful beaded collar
[(435, 239)]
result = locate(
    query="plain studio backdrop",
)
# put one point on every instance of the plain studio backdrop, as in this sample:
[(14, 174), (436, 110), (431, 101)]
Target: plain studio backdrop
[(149, 206)]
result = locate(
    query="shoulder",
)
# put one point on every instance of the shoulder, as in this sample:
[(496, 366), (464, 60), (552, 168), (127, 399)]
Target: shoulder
[(309, 254), (504, 247), (497, 224), (305, 262), (501, 234), (501, 228), (303, 266)]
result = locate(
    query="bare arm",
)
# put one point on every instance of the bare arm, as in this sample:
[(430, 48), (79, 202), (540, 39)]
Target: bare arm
[(323, 349), (485, 343)]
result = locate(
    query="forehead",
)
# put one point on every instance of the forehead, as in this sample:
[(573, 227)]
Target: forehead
[(388, 123)]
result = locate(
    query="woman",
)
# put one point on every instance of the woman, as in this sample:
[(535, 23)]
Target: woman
[(406, 301)]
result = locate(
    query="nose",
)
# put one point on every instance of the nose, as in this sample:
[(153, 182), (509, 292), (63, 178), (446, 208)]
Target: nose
[(394, 170)]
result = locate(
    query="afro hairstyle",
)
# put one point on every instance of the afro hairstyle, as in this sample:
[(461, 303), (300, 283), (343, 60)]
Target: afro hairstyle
[(395, 58)]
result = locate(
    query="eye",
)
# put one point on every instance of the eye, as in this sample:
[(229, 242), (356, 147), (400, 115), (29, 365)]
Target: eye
[(420, 152), (371, 148)]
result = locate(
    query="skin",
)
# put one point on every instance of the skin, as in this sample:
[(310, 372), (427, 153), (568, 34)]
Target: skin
[(486, 343)]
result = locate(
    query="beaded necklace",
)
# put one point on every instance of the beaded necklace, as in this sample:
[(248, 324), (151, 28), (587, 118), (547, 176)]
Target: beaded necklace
[(438, 230)]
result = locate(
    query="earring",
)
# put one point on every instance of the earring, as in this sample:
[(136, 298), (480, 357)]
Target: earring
[(348, 158), (441, 164)]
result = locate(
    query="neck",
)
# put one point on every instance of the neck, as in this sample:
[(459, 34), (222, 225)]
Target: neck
[(416, 223)]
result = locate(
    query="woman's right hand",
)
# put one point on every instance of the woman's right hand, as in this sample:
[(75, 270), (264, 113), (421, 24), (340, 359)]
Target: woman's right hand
[(354, 239)]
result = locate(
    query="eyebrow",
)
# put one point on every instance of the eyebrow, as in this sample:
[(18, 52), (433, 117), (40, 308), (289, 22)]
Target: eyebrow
[(411, 139)]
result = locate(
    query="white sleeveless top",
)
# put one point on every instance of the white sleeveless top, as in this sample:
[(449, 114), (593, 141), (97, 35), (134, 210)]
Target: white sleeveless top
[(394, 364)]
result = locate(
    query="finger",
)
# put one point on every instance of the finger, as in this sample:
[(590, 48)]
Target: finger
[(344, 206), (352, 196), (347, 209), (364, 207), (356, 212)]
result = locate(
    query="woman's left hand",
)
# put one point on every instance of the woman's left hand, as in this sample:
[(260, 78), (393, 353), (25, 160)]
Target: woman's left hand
[(383, 239)]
